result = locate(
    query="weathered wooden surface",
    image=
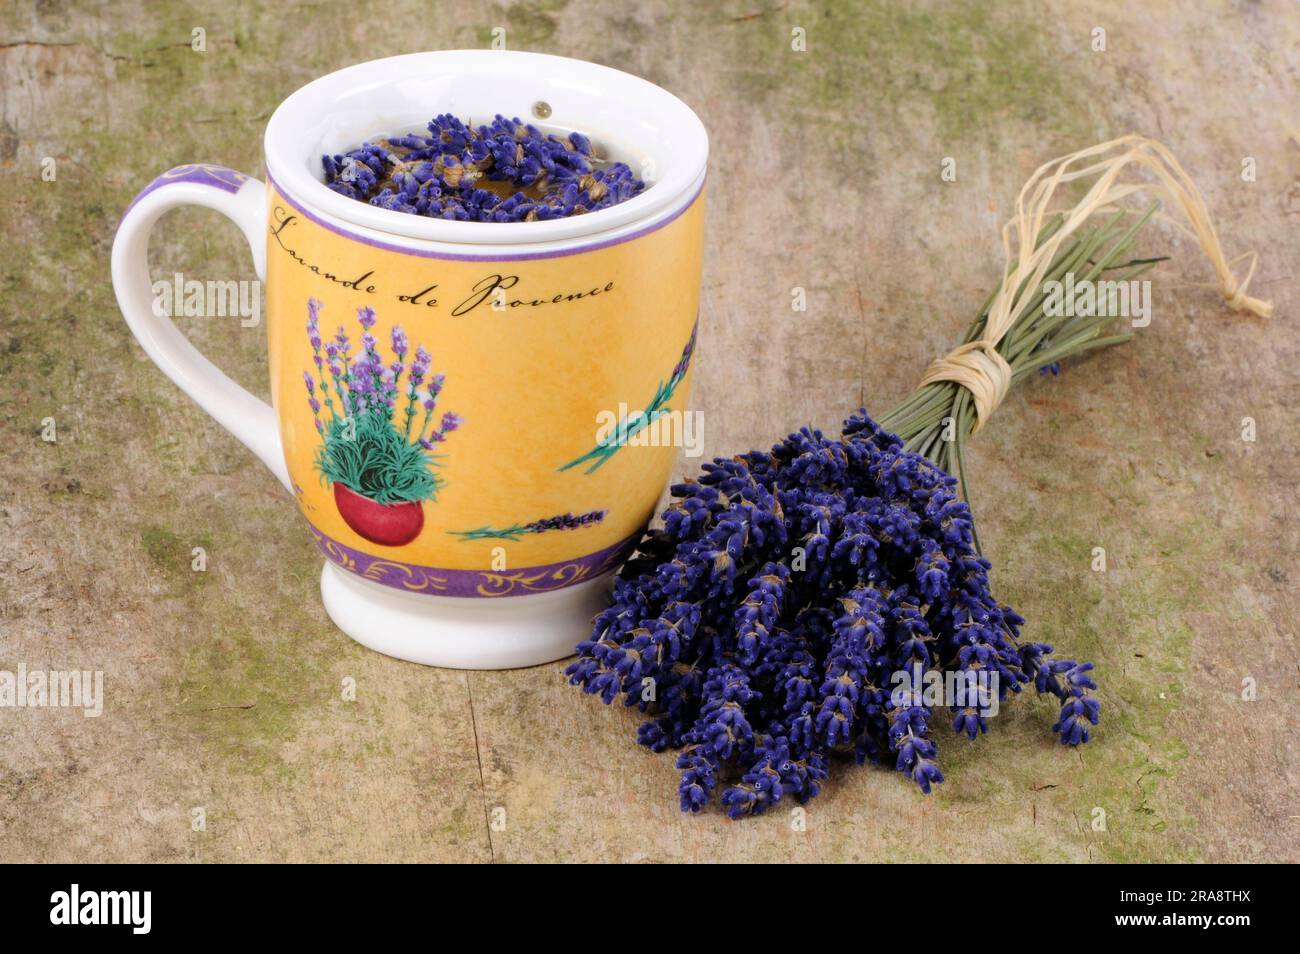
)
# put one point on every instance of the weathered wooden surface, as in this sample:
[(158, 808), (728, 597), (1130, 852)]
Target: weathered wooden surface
[(224, 688)]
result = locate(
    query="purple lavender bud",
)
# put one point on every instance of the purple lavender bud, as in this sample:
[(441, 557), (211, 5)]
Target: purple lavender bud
[(580, 142), (420, 366), (400, 344), (308, 380), (450, 422), (366, 317)]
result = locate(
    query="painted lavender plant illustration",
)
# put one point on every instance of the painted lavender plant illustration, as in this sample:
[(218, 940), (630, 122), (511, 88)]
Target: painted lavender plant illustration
[(378, 430), (515, 531), (632, 424)]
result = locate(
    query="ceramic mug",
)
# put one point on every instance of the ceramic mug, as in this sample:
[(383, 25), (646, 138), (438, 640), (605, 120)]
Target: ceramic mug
[(472, 510)]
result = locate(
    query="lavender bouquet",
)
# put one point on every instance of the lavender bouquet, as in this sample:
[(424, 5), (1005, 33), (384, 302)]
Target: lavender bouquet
[(795, 603), (378, 430)]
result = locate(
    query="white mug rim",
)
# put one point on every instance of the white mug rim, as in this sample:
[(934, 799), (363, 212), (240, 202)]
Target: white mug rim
[(668, 129)]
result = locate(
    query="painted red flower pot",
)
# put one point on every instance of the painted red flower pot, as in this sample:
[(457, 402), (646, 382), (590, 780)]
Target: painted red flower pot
[(389, 525)]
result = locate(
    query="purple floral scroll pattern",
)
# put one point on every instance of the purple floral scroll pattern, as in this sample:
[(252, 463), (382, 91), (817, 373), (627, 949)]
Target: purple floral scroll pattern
[(475, 583)]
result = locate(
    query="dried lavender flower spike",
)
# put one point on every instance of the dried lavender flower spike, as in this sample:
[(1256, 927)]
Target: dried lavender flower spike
[(565, 521)]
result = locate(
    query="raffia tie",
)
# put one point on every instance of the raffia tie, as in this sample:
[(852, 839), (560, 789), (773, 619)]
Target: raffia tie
[(977, 366)]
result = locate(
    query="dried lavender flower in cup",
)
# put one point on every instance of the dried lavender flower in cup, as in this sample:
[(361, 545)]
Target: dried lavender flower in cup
[(505, 171)]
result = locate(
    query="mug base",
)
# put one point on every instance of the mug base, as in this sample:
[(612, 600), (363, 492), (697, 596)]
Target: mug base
[(463, 633)]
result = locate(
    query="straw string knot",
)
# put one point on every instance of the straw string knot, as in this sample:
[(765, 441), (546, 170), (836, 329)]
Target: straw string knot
[(1234, 294), (978, 368)]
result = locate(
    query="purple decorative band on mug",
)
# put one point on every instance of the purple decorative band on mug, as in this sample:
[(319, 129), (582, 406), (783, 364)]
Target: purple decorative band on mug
[(476, 583), (202, 173)]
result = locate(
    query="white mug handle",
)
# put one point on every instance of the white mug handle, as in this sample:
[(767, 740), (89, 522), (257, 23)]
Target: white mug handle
[(243, 200)]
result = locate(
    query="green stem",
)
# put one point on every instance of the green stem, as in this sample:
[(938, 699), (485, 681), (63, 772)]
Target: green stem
[(936, 419)]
